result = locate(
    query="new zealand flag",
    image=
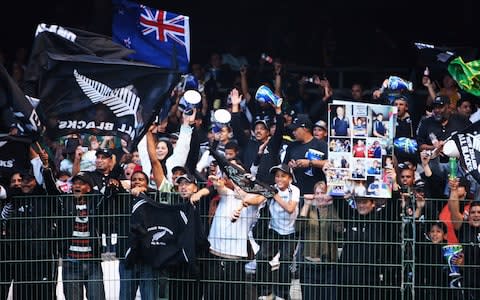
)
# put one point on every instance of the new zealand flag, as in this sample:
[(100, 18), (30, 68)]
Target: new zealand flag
[(159, 37), (102, 96)]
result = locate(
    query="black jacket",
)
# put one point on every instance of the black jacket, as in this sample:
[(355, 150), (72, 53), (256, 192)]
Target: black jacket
[(163, 235)]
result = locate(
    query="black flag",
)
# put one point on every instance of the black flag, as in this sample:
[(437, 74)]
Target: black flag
[(16, 109), (64, 40), (237, 175), (102, 96), (468, 145)]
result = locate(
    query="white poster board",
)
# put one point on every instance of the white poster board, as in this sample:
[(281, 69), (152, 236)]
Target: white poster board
[(360, 148)]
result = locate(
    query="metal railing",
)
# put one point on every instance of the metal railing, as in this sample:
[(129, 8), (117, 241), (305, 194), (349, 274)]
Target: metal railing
[(333, 254)]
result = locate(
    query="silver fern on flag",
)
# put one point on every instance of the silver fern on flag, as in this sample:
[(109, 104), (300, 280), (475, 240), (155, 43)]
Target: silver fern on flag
[(121, 101)]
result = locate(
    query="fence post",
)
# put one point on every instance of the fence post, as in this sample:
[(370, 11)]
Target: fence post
[(408, 247)]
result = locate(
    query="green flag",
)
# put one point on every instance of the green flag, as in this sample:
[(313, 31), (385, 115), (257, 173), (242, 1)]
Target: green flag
[(467, 75)]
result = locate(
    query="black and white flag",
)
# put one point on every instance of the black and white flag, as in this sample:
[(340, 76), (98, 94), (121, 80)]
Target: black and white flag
[(17, 109), (240, 177), (89, 94), (65, 40), (468, 146)]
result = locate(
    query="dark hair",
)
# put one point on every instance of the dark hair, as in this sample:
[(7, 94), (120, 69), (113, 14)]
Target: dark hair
[(232, 145), (143, 173), (440, 225), (474, 203)]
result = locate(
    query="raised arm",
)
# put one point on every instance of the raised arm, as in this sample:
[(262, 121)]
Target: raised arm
[(157, 170), (454, 204)]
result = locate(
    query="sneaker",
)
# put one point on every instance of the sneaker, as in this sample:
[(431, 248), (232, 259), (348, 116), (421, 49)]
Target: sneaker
[(269, 297), (251, 267)]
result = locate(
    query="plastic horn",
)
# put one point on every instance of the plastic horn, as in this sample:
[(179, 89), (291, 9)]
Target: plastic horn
[(189, 101), (396, 83), (221, 117), (265, 95)]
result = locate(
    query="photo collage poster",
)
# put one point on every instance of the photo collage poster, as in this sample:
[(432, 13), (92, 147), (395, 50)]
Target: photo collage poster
[(360, 149)]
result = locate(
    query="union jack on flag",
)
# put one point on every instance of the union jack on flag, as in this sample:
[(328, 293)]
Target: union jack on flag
[(165, 25), (159, 37)]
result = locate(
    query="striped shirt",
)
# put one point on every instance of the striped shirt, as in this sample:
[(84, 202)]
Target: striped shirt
[(80, 247)]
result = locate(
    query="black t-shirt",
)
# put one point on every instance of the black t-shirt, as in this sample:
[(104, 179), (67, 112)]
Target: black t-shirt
[(469, 237), (297, 150)]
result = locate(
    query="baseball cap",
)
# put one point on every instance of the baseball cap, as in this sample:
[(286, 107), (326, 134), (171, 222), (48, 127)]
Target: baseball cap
[(106, 152), (301, 121), (322, 124), (179, 168), (401, 97), (419, 185), (261, 121), (83, 176), (290, 112), (188, 177), (282, 167), (441, 100)]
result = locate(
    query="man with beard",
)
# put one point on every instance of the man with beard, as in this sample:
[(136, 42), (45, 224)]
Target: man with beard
[(433, 131)]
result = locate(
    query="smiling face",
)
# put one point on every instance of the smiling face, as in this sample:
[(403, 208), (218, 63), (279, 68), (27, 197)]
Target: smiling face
[(103, 163), (365, 206), (282, 179), (474, 216), (436, 234), (161, 150), (261, 132), (186, 188), (139, 180)]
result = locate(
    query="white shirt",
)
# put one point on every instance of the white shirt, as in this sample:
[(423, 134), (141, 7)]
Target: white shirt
[(225, 237), (281, 221)]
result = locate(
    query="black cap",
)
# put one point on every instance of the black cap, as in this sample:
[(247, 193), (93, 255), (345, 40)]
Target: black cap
[(419, 185), (441, 100), (106, 152), (85, 177), (188, 177), (301, 121), (282, 167), (179, 168), (262, 121)]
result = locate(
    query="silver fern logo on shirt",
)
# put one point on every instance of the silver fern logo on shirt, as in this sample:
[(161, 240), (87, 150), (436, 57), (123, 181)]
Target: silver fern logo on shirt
[(121, 101)]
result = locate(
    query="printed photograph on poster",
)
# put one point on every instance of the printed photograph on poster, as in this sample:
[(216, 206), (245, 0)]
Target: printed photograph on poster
[(387, 162), (377, 188), (358, 169), (336, 190), (360, 110), (381, 125), (338, 176), (340, 116), (359, 126), (374, 166), (339, 145), (339, 159), (360, 188), (359, 148), (376, 148)]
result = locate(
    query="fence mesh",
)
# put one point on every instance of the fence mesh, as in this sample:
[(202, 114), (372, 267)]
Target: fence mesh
[(54, 246)]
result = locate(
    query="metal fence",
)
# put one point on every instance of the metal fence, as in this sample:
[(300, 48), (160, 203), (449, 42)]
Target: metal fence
[(51, 246)]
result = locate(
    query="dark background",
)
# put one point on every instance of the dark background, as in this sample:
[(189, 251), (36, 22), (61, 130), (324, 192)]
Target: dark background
[(363, 33)]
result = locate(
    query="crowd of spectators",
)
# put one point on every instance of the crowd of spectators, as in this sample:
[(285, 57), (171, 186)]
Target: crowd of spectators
[(338, 247)]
